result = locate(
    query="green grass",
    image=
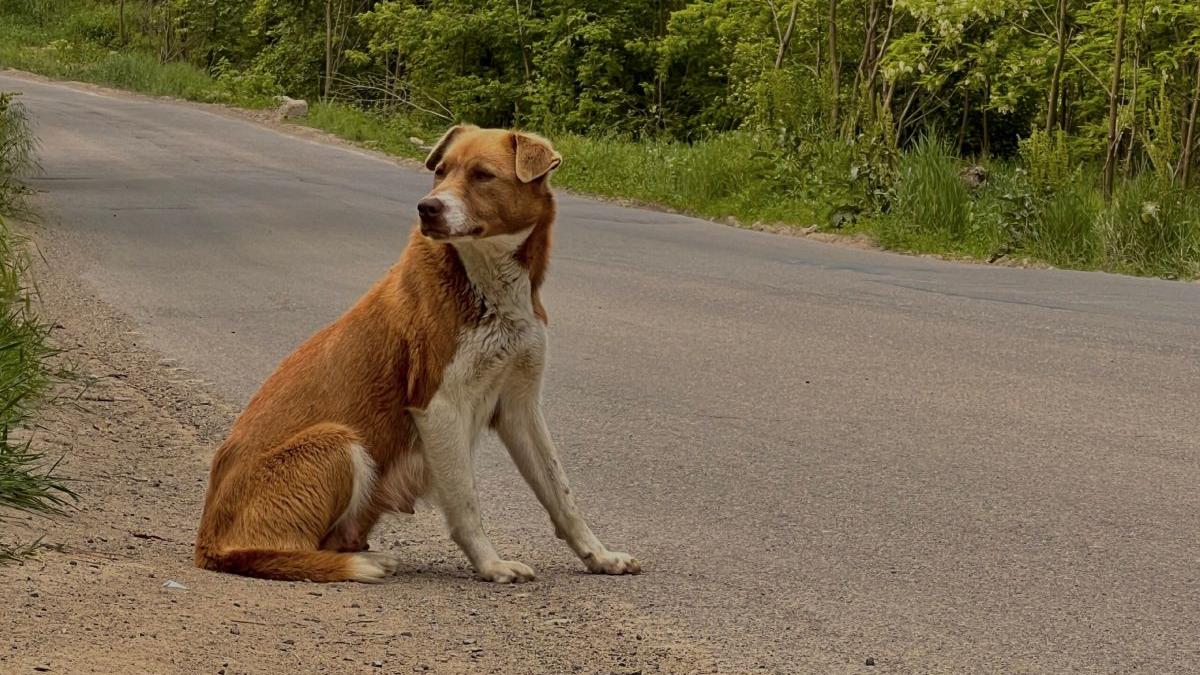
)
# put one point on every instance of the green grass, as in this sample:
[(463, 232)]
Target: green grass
[(75, 40), (726, 175), (387, 133), (1152, 229), (28, 481), (1064, 231)]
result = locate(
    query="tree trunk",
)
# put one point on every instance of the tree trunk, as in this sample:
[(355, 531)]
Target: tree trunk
[(986, 148), (861, 84), (962, 126), (121, 21), (1189, 137), (1133, 98), (872, 77), (1110, 162), (834, 67), (1060, 61), (521, 39), (328, 49), (783, 36)]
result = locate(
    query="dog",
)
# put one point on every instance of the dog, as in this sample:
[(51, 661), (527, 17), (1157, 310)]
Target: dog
[(387, 403)]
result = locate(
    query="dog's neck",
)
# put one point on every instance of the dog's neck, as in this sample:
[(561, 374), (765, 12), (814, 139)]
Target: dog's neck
[(494, 271)]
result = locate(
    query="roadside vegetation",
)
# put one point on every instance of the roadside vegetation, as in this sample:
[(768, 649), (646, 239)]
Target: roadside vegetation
[(1064, 131), (27, 478)]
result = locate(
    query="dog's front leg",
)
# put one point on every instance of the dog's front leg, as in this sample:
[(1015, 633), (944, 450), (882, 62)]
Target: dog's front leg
[(446, 439), (522, 426)]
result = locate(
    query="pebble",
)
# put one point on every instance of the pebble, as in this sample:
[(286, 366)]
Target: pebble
[(870, 661)]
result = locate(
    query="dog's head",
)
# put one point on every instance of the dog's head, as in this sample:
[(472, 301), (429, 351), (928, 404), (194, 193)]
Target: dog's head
[(487, 182)]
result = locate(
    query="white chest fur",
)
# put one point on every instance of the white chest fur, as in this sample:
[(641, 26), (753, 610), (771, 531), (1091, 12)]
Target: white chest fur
[(508, 342)]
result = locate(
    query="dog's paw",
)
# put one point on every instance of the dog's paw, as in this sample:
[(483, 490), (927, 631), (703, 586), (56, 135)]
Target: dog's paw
[(612, 562), (372, 568), (506, 572)]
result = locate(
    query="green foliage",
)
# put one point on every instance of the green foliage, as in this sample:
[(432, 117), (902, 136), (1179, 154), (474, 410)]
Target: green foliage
[(17, 151), (1152, 228), (718, 177), (1047, 159), (1064, 228), (932, 203), (389, 133), (27, 480)]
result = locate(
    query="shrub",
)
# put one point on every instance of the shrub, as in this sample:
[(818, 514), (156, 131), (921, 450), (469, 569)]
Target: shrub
[(1047, 158)]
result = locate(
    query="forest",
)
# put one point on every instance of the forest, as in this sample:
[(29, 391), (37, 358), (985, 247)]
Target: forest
[(1060, 130)]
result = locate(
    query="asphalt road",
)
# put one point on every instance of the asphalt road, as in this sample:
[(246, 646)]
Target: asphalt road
[(823, 454)]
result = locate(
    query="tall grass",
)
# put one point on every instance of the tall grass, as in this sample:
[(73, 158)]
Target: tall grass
[(28, 481), (1152, 228), (725, 175), (1064, 228), (74, 40), (931, 207), (388, 133)]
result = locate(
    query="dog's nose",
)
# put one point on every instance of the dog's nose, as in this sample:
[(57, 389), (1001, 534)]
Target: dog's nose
[(430, 207)]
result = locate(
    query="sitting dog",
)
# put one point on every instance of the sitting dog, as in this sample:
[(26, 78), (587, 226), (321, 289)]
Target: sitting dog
[(389, 401)]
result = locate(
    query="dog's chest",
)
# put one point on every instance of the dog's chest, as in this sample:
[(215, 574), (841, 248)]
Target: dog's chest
[(506, 342)]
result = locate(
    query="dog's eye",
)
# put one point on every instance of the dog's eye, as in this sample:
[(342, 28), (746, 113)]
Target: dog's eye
[(482, 174), (440, 171)]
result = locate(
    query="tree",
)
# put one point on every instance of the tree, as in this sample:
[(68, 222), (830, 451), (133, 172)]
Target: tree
[(1189, 138), (1110, 160), (1062, 35)]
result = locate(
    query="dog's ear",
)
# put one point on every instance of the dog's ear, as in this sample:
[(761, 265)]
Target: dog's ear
[(535, 156), (439, 150)]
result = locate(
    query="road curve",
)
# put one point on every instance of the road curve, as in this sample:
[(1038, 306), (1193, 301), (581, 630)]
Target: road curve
[(823, 454)]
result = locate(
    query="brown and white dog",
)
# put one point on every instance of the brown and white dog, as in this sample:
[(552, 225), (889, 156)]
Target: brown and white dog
[(389, 401)]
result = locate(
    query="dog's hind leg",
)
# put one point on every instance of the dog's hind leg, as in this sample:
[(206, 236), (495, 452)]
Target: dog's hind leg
[(271, 521)]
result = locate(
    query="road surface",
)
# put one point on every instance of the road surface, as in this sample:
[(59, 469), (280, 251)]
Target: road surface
[(822, 454)]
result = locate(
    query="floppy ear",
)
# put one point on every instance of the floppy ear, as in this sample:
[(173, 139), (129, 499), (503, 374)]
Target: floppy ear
[(535, 156), (439, 150)]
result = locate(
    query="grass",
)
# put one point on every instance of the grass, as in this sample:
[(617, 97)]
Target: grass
[(1045, 206), (1152, 228), (387, 133), (726, 175), (78, 40), (28, 479)]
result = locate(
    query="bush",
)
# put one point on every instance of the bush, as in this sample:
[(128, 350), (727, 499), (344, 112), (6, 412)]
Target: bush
[(1047, 158)]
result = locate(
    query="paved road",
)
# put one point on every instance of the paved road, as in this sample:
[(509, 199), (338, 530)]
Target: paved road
[(824, 454)]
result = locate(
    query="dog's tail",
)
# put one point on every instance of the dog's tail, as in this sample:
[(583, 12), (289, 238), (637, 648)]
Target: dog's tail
[(299, 565)]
